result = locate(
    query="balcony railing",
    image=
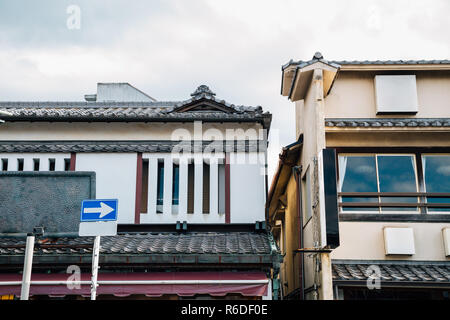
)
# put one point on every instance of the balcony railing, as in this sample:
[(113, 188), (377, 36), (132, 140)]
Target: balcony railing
[(420, 196)]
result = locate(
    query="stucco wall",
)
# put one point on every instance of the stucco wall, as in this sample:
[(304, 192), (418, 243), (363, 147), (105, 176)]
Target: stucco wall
[(27, 131), (365, 241), (353, 95)]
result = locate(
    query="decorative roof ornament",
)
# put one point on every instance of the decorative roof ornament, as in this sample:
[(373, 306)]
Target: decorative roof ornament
[(317, 56), (202, 91)]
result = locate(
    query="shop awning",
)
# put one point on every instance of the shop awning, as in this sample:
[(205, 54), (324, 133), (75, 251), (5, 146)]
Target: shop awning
[(149, 284)]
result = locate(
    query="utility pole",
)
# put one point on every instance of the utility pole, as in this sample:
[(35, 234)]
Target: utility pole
[(27, 266), (95, 267)]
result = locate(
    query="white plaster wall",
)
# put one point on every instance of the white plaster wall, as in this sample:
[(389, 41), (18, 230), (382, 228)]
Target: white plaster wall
[(247, 187), (28, 160), (118, 131), (365, 241), (115, 179)]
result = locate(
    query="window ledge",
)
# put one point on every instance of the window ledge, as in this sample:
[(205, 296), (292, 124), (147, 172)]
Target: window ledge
[(377, 217)]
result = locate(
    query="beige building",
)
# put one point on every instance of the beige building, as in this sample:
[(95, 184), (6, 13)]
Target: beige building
[(360, 203)]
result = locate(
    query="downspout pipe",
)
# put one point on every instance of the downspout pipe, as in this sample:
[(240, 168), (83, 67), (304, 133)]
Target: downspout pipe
[(297, 172)]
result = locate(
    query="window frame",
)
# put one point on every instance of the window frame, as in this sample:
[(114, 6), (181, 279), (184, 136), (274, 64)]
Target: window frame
[(393, 217), (422, 154), (377, 173)]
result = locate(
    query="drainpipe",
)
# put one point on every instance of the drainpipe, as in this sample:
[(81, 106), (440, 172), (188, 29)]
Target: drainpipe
[(297, 171)]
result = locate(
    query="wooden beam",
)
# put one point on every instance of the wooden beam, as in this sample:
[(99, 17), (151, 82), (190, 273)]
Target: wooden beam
[(137, 208)]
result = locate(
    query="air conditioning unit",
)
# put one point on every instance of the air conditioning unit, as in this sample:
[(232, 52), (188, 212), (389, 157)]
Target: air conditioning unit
[(399, 241)]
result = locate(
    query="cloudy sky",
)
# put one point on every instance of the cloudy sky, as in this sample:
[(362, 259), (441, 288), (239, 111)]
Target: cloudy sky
[(236, 47)]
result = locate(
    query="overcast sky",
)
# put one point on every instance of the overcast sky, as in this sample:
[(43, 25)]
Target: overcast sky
[(236, 47)]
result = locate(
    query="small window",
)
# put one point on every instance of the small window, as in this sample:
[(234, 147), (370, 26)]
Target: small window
[(19, 164), (67, 164), (206, 183), (144, 193), (397, 173), (36, 163), (436, 171), (221, 188), (191, 168), (396, 94), (4, 164), (378, 173), (160, 187), (175, 184), (51, 164)]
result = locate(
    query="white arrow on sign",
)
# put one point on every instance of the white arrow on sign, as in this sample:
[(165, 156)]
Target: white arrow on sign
[(104, 210)]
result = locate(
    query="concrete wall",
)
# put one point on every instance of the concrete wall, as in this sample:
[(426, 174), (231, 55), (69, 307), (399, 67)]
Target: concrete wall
[(365, 241), (353, 95)]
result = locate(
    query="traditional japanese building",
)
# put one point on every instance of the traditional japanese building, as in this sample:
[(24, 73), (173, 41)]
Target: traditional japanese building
[(360, 203), (190, 179)]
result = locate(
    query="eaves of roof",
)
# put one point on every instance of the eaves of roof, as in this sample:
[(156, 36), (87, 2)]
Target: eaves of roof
[(387, 122), (394, 273), (146, 112), (302, 63), (287, 159), (150, 248)]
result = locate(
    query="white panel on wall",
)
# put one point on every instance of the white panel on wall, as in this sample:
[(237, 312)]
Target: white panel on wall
[(446, 236), (168, 186), (396, 93), (214, 187), (115, 179), (182, 206), (247, 188), (399, 241), (198, 186)]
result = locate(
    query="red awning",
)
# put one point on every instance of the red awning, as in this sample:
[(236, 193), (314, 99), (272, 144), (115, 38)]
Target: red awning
[(149, 284)]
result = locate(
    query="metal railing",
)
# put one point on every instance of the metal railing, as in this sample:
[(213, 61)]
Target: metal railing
[(420, 196)]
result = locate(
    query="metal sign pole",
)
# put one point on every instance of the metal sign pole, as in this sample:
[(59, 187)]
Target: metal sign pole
[(95, 267), (27, 266)]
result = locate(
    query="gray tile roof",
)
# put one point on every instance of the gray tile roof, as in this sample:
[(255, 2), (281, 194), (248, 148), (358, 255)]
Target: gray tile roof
[(388, 122), (133, 146), (134, 111), (224, 243), (318, 57), (393, 271)]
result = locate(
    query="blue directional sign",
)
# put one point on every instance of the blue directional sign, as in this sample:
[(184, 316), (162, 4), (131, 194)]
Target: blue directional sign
[(99, 210)]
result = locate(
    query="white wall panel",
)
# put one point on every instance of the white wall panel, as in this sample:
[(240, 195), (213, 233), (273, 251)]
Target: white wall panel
[(247, 190), (115, 179)]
